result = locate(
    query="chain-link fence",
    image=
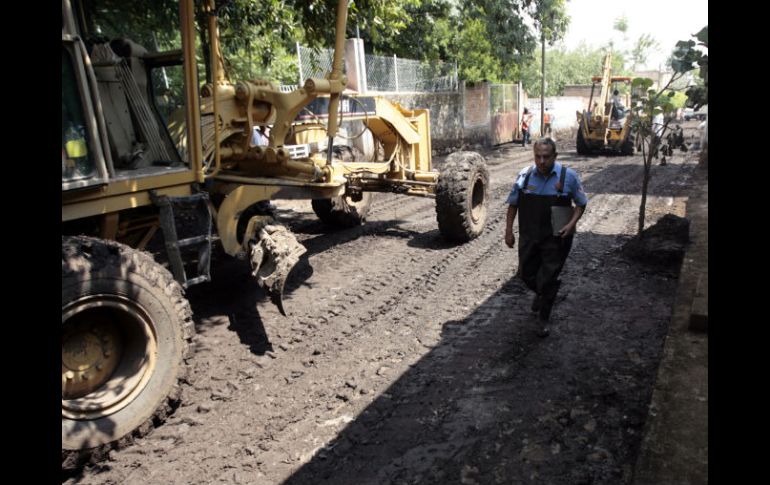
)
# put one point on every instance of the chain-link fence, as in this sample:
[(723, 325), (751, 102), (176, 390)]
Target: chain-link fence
[(380, 73), (392, 74), (502, 98), (313, 62), (385, 74)]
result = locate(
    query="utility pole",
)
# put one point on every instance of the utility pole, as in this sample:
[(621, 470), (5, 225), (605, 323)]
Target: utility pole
[(542, 81)]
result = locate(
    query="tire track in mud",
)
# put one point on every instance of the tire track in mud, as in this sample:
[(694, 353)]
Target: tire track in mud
[(496, 216), (347, 255), (345, 355), (415, 311), (479, 322)]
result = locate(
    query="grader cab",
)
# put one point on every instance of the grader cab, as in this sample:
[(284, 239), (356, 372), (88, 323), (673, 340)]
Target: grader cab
[(150, 154), (604, 126)]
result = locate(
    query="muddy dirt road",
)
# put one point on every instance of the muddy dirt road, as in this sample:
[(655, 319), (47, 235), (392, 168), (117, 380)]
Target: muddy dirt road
[(410, 360)]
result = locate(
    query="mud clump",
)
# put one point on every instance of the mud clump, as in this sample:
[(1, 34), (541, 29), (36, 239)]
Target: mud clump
[(661, 245)]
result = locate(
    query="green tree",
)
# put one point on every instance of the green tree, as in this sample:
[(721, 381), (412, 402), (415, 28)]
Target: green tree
[(686, 57), (644, 46), (649, 103), (564, 67), (429, 36), (488, 39), (621, 25), (258, 36)]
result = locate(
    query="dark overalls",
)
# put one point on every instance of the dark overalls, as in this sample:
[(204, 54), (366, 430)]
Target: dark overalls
[(541, 254)]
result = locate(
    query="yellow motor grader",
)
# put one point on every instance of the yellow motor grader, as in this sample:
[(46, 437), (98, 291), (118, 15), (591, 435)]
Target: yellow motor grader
[(604, 125), (150, 154)]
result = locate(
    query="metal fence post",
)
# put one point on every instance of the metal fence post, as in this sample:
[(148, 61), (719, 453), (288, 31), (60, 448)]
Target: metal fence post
[(299, 64), (395, 70)]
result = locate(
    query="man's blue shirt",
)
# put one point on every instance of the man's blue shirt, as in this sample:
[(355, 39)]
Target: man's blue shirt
[(540, 185)]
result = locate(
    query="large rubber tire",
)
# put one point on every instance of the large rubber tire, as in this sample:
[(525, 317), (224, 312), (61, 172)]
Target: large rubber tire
[(343, 211), (462, 194), (126, 330), (580, 143), (627, 148)]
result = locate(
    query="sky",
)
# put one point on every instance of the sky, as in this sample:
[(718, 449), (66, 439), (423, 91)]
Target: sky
[(668, 21)]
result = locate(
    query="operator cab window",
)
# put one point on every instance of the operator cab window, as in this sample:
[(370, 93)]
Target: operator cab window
[(135, 50), (77, 149)]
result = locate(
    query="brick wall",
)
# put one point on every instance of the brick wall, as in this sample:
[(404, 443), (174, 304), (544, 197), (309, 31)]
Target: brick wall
[(476, 105)]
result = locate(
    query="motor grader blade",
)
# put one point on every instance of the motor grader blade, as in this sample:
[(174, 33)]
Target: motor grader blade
[(274, 252)]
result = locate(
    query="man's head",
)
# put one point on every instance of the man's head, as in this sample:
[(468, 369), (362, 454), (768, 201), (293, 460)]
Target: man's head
[(545, 155), (615, 93)]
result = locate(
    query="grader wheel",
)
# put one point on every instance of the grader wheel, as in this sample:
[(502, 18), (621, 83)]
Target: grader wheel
[(343, 211), (126, 329), (580, 143), (462, 194)]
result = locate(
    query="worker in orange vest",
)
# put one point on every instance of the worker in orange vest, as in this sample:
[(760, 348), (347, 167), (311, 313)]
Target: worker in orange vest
[(546, 123), (526, 123)]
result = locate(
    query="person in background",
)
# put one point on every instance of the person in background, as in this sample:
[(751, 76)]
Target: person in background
[(261, 135), (547, 119), (618, 110), (526, 123)]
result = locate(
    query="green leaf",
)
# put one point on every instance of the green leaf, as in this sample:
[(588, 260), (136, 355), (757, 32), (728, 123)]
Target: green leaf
[(703, 35)]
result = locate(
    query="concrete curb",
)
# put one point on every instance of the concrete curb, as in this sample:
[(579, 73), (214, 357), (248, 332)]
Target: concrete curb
[(674, 449)]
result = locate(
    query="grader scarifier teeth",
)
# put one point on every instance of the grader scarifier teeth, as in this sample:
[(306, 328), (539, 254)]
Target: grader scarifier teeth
[(272, 259)]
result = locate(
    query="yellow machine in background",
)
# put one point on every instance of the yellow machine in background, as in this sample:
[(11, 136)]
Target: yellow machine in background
[(599, 128), (148, 155)]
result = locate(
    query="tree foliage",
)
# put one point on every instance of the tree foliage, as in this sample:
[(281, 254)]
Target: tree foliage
[(564, 67), (649, 103), (686, 58), (642, 48), (621, 25), (488, 39), (258, 37)]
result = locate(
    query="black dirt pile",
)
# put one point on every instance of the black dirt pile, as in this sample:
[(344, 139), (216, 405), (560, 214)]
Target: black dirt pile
[(661, 245)]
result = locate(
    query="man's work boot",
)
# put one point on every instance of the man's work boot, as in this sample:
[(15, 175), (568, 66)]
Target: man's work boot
[(544, 311), (543, 328), (536, 303)]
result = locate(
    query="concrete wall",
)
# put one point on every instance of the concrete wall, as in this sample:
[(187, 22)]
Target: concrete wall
[(580, 90), (457, 119), (562, 109), (462, 120), (446, 117), (476, 121)]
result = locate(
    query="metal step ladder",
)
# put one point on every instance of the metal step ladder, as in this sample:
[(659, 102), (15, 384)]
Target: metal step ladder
[(191, 216)]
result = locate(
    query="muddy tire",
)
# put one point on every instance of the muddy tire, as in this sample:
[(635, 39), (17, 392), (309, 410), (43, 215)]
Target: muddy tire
[(343, 211), (126, 330), (462, 194), (627, 148), (348, 154), (580, 143)]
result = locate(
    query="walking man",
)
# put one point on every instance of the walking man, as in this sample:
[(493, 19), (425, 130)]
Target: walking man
[(540, 194)]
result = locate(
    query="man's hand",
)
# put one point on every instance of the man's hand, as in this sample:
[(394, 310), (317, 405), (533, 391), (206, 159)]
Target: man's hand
[(510, 216), (509, 239), (566, 230)]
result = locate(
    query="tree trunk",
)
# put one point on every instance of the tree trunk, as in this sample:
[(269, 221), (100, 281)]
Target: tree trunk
[(201, 19), (647, 157), (642, 206)]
